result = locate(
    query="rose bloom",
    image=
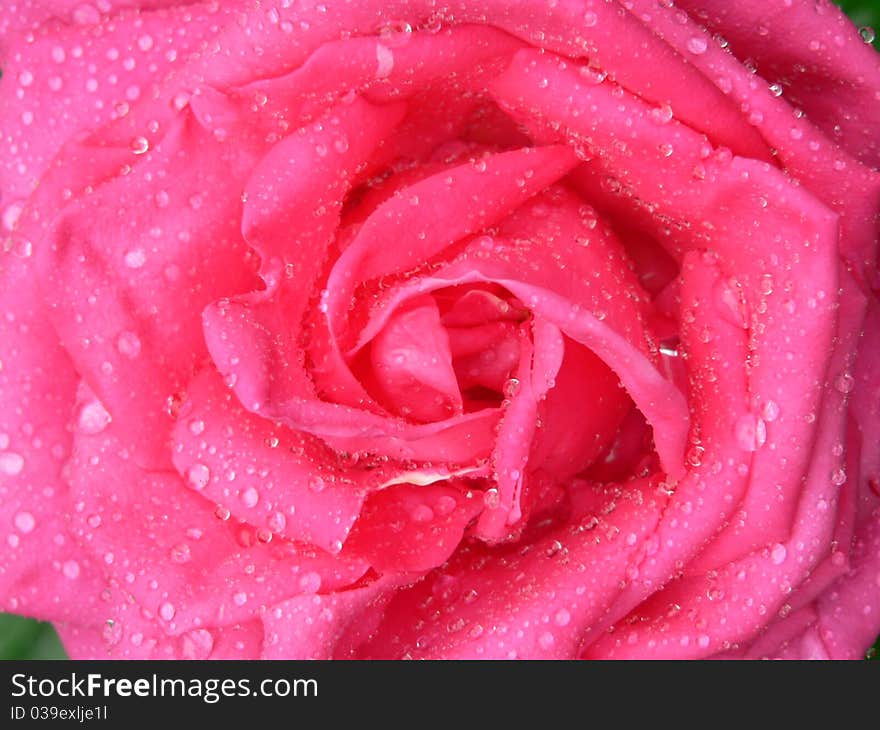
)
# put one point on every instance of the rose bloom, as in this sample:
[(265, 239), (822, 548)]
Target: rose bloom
[(409, 329)]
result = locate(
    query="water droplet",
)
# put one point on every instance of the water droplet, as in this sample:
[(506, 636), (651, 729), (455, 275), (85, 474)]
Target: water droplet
[(422, 513), (751, 432), (11, 214), (590, 19), (11, 463), (778, 553), (250, 497), (867, 33), (167, 611), (240, 598), (197, 644), (277, 522), (491, 498), (181, 553), (316, 484), (112, 632), (546, 640), (145, 42), (196, 427), (93, 418), (662, 114), (697, 45), (669, 347), (562, 618), (770, 411), (838, 477), (135, 259), (310, 582), (129, 344), (198, 476), (140, 145), (25, 78), (70, 569), (24, 522), (844, 383), (776, 89), (384, 61), (445, 505), (222, 513)]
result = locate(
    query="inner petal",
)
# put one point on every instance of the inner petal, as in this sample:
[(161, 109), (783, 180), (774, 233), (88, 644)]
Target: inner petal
[(411, 369)]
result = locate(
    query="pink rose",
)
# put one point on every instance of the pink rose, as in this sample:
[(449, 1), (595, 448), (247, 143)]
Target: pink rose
[(498, 329)]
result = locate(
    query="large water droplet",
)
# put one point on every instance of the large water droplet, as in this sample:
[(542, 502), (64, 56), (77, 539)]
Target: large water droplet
[(197, 644), (93, 418), (11, 463), (250, 497), (384, 61), (24, 522), (140, 145), (778, 553), (129, 344), (697, 45), (750, 432), (198, 476)]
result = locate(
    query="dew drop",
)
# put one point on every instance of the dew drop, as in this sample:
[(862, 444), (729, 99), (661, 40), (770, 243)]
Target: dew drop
[(11, 463), (384, 61), (181, 553), (838, 477), (167, 611), (196, 427), (197, 644), (697, 45), (250, 497), (129, 344), (240, 598), (135, 258), (93, 418), (310, 582), (139, 145), (24, 522), (198, 476), (750, 432), (867, 33), (112, 632), (662, 114), (770, 411), (844, 383), (70, 569), (422, 513), (778, 553)]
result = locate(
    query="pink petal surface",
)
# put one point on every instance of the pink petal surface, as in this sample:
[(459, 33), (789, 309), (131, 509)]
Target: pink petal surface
[(503, 330)]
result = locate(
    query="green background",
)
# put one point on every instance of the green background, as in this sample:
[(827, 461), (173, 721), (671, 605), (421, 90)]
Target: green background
[(22, 638)]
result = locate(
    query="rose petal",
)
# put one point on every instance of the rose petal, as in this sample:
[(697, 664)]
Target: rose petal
[(407, 528)]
